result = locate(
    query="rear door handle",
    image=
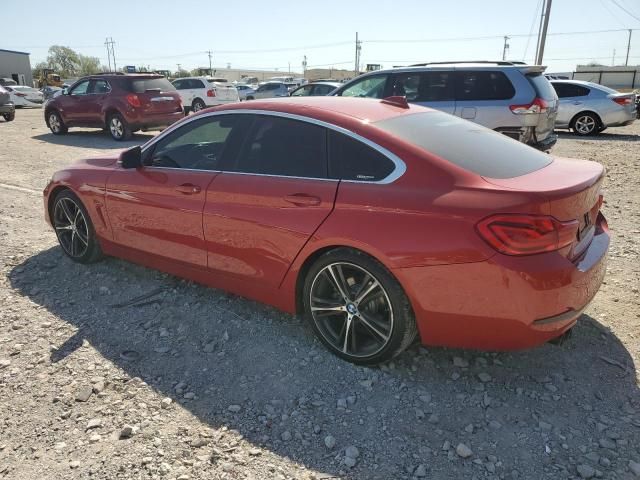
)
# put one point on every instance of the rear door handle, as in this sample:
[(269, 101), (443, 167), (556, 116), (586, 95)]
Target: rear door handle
[(188, 188), (303, 200)]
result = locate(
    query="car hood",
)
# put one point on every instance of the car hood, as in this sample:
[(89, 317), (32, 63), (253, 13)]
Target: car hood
[(97, 162)]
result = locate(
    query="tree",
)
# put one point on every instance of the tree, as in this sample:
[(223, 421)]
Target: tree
[(37, 70), (88, 65), (63, 60), (182, 73)]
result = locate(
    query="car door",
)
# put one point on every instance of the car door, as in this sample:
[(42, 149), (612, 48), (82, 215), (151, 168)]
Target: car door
[(181, 87), (432, 88), (483, 96), (76, 103), (270, 198), (157, 208), (571, 100), (97, 94)]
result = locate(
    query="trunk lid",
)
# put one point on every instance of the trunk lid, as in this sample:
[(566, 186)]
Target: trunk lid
[(544, 90), (572, 190)]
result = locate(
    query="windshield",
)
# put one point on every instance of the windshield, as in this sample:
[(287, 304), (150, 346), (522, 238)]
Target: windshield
[(466, 144)]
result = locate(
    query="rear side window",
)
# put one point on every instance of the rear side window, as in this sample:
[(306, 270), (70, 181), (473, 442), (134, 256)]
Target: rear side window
[(141, 85), (350, 159), (466, 144), (483, 85), (434, 86), (284, 147), (194, 83), (565, 90), (542, 86)]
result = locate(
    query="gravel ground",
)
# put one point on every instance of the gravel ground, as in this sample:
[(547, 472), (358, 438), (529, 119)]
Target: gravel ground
[(116, 371)]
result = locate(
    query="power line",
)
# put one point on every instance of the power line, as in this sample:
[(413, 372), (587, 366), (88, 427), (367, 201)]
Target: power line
[(625, 10)]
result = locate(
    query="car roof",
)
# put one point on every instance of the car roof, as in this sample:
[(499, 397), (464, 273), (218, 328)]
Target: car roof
[(333, 109), (331, 84), (492, 66)]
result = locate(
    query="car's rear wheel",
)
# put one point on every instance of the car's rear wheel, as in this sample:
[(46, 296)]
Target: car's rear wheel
[(357, 308), (118, 127), (585, 124), (9, 117), (74, 229), (249, 97), (198, 105), (56, 125)]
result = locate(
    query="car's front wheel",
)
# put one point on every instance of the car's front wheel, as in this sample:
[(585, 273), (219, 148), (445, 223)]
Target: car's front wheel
[(118, 127), (357, 308), (56, 125), (586, 124), (74, 229), (9, 117)]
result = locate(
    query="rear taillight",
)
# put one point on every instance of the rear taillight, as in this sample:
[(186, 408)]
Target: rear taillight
[(211, 93), (133, 100), (539, 105), (514, 234), (624, 101)]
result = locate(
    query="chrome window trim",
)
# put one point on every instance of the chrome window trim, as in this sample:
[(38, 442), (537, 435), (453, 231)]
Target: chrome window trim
[(398, 171)]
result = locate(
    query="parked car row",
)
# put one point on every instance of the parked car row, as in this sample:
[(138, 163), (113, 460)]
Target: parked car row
[(512, 98)]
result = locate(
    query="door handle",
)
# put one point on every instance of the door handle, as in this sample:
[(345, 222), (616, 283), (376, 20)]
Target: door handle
[(188, 188), (577, 103), (303, 200)]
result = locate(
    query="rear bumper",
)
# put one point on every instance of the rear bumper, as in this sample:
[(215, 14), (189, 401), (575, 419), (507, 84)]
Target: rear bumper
[(7, 108), (619, 118), (155, 121), (545, 144), (505, 303)]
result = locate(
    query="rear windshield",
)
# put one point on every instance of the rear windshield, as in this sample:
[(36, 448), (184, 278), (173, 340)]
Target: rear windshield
[(542, 86), (467, 145), (141, 85)]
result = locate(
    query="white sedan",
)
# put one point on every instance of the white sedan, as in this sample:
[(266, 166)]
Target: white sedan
[(23, 96)]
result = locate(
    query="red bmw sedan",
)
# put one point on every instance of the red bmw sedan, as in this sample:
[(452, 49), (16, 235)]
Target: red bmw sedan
[(376, 220)]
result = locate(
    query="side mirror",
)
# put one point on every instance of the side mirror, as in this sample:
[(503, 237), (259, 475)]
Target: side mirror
[(131, 158)]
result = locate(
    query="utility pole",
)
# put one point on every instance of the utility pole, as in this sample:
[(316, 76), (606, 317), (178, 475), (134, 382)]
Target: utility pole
[(111, 52), (358, 48), (613, 59), (626, 62), (304, 66), (210, 53), (179, 69), (543, 35), (505, 48)]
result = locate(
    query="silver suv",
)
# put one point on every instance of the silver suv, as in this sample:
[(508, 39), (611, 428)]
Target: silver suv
[(272, 90), (512, 98)]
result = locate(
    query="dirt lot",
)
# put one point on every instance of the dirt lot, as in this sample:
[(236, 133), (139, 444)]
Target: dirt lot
[(191, 383)]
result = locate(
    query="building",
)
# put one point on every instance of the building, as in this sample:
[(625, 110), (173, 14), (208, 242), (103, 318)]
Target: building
[(16, 66), (618, 78), (334, 73)]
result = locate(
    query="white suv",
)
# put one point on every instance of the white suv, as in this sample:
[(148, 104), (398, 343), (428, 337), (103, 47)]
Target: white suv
[(202, 92)]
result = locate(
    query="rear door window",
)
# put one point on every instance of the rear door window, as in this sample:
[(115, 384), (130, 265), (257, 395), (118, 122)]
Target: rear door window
[(565, 90), (99, 87), (371, 87), (141, 85), (483, 85), (350, 159), (283, 147), (433, 86), (466, 144)]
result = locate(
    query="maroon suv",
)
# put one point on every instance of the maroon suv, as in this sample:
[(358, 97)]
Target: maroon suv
[(120, 103)]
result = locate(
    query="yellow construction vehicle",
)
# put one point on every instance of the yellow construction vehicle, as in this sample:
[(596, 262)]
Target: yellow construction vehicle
[(49, 79)]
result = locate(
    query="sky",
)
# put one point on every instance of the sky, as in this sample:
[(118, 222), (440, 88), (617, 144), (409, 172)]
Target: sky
[(277, 35)]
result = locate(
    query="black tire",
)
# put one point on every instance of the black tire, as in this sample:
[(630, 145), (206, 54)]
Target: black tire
[(80, 244), (9, 117), (118, 127), (381, 321), (197, 105), (249, 97), (585, 124), (55, 123)]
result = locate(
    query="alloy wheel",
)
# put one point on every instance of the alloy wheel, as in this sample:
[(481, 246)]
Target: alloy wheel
[(54, 122), (197, 106), (585, 124), (116, 127), (351, 309), (71, 227)]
